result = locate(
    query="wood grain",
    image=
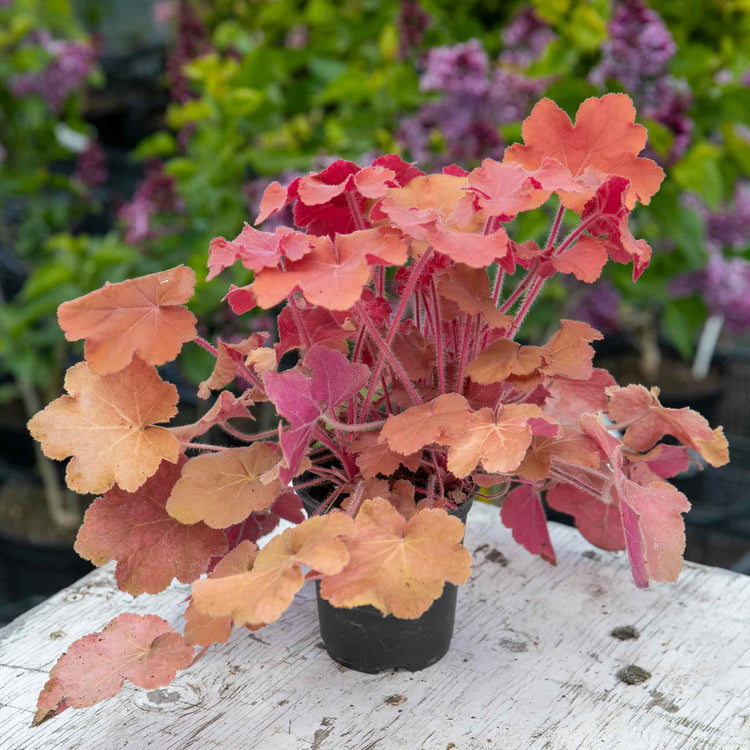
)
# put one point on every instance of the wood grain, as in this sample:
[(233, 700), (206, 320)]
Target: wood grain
[(533, 665)]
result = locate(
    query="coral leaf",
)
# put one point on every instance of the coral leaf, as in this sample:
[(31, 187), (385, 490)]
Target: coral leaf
[(651, 421), (329, 276), (399, 567), (522, 512), (225, 407), (228, 360), (375, 457), (504, 189), (570, 446), (571, 398), (469, 288), (107, 424), (584, 260), (223, 488), (418, 426), (604, 138), (498, 443), (142, 649), (150, 546), (143, 316), (654, 530), (597, 518)]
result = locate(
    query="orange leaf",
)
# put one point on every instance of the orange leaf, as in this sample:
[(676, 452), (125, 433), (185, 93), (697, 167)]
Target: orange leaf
[(568, 352), (604, 138), (332, 275), (497, 443), (503, 358), (504, 189), (570, 446), (143, 316), (223, 488), (204, 630), (262, 594), (142, 649), (469, 288), (652, 421), (150, 547), (107, 425), (228, 360), (412, 429), (399, 567), (584, 260), (374, 457)]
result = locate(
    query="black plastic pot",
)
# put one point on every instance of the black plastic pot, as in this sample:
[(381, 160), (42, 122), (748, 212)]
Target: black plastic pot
[(361, 638)]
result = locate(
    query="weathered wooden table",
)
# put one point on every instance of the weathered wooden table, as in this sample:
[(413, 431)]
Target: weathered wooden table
[(534, 664)]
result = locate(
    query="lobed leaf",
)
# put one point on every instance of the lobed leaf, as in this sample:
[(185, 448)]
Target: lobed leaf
[(399, 566), (150, 546), (142, 649), (143, 316), (107, 424)]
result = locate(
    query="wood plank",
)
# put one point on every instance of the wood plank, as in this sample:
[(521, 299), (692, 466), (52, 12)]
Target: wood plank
[(533, 665)]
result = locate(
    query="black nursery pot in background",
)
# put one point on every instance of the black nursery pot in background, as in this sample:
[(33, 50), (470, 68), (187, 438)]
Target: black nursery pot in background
[(361, 638)]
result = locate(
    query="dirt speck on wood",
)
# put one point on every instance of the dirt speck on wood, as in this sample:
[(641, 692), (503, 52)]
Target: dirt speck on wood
[(633, 674), (663, 701), (395, 699), (495, 556), (625, 633)]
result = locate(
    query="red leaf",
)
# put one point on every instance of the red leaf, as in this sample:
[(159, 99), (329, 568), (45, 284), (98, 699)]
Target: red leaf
[(522, 512), (597, 518), (151, 547)]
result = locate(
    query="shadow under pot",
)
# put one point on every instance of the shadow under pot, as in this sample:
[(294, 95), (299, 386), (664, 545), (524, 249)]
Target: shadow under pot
[(363, 639)]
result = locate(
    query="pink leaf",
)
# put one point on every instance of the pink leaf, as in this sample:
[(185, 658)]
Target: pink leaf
[(522, 512), (142, 649)]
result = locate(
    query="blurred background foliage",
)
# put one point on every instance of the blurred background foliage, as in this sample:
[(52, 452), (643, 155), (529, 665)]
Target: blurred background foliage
[(129, 139)]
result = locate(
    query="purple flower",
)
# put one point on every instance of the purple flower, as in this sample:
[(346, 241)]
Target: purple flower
[(413, 21), (525, 38), (297, 37), (91, 166), (67, 71), (460, 68), (729, 226), (192, 42), (600, 307), (639, 47), (157, 193), (466, 121)]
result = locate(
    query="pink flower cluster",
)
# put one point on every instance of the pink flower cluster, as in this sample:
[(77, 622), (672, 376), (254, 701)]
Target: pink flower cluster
[(91, 166), (157, 193), (70, 65)]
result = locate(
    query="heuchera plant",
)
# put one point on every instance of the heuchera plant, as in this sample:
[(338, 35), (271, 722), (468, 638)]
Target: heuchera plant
[(409, 391)]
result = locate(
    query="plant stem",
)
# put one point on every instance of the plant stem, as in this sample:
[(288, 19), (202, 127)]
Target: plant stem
[(410, 286), (244, 436), (464, 352), (304, 335), (208, 347), (536, 287), (386, 355), (202, 446), (520, 289), (438, 324), (366, 427), (555, 227)]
